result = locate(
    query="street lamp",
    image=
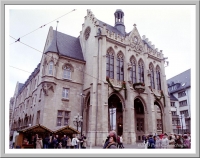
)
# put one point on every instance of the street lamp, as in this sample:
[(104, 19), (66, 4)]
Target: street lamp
[(78, 121), (177, 119), (82, 102)]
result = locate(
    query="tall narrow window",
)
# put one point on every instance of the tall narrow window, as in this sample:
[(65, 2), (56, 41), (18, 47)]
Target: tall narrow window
[(110, 63), (65, 93), (67, 72), (158, 78), (133, 71), (38, 117), (120, 67), (152, 76), (51, 68), (141, 71)]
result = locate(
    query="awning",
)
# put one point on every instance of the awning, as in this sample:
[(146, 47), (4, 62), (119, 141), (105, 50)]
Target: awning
[(36, 129)]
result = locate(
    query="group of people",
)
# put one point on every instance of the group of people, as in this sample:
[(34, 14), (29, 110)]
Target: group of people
[(163, 141), (55, 142)]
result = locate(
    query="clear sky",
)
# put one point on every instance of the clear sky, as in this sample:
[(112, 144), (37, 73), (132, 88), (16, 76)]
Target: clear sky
[(170, 28)]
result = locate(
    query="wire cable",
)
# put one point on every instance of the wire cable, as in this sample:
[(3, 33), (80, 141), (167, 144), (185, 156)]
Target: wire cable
[(41, 27), (59, 61)]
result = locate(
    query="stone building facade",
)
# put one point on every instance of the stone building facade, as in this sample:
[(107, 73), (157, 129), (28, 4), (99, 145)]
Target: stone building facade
[(120, 76)]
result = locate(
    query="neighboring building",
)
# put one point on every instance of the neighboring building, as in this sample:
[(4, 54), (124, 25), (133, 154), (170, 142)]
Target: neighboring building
[(12, 106), (121, 75), (180, 96)]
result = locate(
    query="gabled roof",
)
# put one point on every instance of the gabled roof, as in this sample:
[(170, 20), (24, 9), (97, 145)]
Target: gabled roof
[(67, 129), (36, 129), (181, 80), (110, 28), (66, 45)]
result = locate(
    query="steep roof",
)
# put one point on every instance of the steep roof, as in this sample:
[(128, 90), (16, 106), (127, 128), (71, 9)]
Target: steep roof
[(172, 97), (180, 81), (22, 86), (110, 28), (67, 45)]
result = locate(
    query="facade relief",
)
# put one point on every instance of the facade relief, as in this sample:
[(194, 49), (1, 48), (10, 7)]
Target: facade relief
[(46, 87)]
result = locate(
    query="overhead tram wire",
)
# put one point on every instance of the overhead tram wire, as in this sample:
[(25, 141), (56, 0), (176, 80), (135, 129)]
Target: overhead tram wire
[(18, 40), (60, 61)]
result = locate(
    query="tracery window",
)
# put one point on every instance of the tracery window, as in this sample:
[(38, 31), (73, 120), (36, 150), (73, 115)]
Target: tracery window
[(110, 63), (158, 78), (141, 71), (152, 83), (120, 67), (67, 72), (133, 71)]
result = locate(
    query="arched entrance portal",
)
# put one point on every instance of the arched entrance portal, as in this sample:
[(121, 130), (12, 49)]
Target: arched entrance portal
[(139, 119), (115, 114), (159, 120)]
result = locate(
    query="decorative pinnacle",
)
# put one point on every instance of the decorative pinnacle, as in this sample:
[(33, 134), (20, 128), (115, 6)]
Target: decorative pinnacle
[(134, 25)]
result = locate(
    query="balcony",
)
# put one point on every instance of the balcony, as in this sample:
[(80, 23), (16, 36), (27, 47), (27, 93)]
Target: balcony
[(116, 83)]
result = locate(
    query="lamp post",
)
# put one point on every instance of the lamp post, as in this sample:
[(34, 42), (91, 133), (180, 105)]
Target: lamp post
[(177, 119), (78, 121), (82, 102)]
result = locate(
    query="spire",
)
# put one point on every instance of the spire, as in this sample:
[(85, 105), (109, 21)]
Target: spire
[(119, 21), (57, 38)]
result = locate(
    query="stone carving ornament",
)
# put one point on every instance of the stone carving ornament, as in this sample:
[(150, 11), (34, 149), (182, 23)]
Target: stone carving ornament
[(46, 87), (87, 33), (135, 44)]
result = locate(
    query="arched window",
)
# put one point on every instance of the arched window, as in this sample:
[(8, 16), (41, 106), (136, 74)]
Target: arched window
[(120, 67), (133, 70), (158, 78), (110, 63), (141, 71), (67, 72), (50, 68), (152, 76)]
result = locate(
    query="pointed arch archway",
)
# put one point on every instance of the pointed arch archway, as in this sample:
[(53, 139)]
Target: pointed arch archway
[(140, 111), (159, 116), (115, 113)]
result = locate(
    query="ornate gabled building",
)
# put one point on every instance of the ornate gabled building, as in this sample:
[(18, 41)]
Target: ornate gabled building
[(120, 74)]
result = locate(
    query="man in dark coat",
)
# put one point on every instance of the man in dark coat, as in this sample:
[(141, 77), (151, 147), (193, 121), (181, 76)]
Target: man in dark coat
[(151, 142)]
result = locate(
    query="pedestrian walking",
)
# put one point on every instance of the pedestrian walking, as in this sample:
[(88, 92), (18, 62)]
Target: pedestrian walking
[(69, 143), (165, 142), (145, 142), (121, 142), (151, 142), (84, 142), (158, 142), (39, 144)]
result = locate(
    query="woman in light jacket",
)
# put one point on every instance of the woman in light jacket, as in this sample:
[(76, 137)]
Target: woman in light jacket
[(39, 143), (158, 142), (69, 143)]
